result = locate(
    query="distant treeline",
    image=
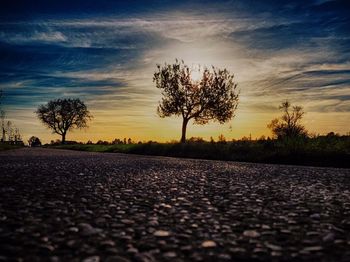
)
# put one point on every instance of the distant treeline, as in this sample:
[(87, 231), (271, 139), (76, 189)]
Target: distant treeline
[(329, 150)]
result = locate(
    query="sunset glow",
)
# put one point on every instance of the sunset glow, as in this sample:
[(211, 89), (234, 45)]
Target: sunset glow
[(290, 50)]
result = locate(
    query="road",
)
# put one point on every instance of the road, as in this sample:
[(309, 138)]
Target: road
[(58, 205)]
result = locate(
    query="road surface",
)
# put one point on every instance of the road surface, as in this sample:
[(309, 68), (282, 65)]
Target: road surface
[(58, 205)]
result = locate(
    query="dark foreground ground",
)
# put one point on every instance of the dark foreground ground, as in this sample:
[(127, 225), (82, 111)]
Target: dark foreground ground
[(58, 205)]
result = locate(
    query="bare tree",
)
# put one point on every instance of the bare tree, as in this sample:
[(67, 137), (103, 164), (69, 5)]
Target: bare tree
[(3, 130), (9, 131), (63, 115), (2, 117), (288, 125), (213, 97), (1, 97)]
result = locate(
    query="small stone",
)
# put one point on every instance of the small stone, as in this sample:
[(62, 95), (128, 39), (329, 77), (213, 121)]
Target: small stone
[(238, 250), (313, 248), (117, 259), (208, 243), (265, 227), (329, 237), (153, 223), (169, 254), (127, 221), (52, 259), (73, 229), (132, 250), (92, 259), (161, 233), (276, 254), (71, 243), (273, 247), (88, 230), (109, 243), (47, 247), (225, 257), (251, 233), (315, 216)]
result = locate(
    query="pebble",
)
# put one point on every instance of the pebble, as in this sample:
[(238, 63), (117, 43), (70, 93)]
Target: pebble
[(116, 259), (313, 248), (329, 237), (208, 243), (92, 259), (161, 233), (251, 233)]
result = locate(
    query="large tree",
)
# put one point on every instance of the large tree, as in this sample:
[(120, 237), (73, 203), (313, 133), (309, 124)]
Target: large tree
[(63, 115), (289, 124), (213, 97)]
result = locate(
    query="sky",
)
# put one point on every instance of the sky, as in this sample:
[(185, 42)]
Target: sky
[(105, 53)]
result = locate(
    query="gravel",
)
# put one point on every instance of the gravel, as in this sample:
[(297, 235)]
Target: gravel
[(58, 205)]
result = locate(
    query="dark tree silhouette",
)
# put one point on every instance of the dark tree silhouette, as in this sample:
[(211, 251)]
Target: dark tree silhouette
[(2, 118), (34, 141), (213, 97), (63, 115), (1, 97), (288, 125)]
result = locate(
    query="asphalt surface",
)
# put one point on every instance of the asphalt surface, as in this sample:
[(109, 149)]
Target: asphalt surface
[(58, 205)]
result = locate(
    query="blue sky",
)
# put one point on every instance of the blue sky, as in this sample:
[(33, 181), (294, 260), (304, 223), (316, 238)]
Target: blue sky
[(105, 52)]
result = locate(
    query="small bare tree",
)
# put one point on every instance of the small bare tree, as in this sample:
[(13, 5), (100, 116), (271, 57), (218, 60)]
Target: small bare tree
[(63, 115), (213, 97), (288, 125)]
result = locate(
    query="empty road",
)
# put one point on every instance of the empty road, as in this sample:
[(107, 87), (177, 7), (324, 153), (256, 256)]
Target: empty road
[(58, 205)]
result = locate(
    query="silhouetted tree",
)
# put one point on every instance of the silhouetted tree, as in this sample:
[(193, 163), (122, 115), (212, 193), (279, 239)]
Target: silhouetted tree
[(288, 125), (34, 141), (2, 118), (213, 97), (221, 139), (1, 97), (63, 115)]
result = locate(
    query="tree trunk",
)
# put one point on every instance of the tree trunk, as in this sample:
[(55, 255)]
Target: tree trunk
[(63, 138), (184, 126)]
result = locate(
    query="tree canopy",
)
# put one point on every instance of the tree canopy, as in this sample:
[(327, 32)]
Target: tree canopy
[(63, 115), (213, 97)]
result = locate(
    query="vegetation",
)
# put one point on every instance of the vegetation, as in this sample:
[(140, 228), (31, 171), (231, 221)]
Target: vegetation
[(6, 146), (288, 125), (331, 150), (34, 141), (63, 115), (213, 97), (10, 134)]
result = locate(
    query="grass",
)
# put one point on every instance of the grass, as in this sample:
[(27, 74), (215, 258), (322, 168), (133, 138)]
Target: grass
[(320, 151)]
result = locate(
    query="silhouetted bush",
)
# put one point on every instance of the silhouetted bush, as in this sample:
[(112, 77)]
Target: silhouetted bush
[(34, 141)]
